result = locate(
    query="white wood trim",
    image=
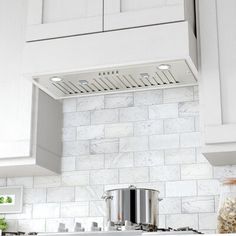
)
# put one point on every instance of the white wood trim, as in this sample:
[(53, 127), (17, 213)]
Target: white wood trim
[(220, 154), (35, 12), (225, 133), (23, 169), (65, 28), (123, 20), (210, 66)]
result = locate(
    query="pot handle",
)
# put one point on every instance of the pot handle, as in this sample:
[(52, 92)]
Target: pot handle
[(132, 187), (106, 197), (160, 199)]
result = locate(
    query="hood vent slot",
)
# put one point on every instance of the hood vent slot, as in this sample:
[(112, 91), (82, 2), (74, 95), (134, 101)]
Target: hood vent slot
[(125, 79), (118, 82)]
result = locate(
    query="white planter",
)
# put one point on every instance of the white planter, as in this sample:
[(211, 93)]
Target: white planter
[(0, 232)]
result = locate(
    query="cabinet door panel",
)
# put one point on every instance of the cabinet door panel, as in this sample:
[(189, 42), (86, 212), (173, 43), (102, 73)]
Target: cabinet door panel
[(217, 84), (133, 13), (15, 91), (227, 49), (51, 19), (64, 10), (217, 69), (15, 115)]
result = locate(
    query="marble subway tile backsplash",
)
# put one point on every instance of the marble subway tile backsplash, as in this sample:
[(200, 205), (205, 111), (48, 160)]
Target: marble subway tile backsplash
[(150, 139), (198, 204)]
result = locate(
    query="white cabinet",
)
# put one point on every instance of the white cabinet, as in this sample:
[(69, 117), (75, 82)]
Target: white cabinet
[(217, 24), (40, 152), (30, 121), (15, 92), (120, 14), (15, 121), (49, 19)]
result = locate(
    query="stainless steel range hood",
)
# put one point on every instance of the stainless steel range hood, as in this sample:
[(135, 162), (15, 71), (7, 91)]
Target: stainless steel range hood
[(144, 58), (139, 77)]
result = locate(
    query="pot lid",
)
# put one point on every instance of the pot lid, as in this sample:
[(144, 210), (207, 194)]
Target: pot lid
[(132, 187)]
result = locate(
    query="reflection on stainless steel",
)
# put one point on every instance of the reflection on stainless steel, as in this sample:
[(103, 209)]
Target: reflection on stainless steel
[(137, 205)]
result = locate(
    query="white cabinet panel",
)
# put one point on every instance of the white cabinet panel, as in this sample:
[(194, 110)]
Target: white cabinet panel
[(15, 91), (227, 51), (119, 14), (66, 10), (52, 19), (30, 123), (217, 85)]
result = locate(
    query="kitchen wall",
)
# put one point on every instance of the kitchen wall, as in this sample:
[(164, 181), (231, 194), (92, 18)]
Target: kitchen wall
[(150, 139)]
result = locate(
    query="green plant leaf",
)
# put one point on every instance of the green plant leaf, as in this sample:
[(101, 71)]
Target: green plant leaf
[(3, 224)]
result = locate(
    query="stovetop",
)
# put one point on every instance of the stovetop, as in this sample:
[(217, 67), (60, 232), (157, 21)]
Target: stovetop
[(182, 230), (159, 231), (18, 233)]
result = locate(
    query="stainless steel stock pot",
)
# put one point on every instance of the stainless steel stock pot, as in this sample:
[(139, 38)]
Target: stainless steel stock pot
[(137, 205)]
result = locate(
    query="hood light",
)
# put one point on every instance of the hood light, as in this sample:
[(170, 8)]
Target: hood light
[(164, 67), (56, 79), (83, 82), (144, 75)]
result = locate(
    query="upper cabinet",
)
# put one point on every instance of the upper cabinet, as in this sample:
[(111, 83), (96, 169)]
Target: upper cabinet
[(38, 152), (61, 35), (49, 19), (120, 14), (15, 91), (217, 30), (30, 120)]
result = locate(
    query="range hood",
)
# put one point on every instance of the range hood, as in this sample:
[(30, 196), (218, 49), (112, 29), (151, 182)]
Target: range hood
[(161, 56)]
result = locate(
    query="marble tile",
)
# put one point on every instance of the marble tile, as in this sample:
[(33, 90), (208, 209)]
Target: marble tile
[(133, 114), (198, 204), (133, 144), (119, 100), (133, 175), (150, 97), (90, 103)]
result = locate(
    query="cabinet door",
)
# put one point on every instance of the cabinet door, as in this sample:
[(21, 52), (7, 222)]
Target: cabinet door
[(15, 91), (120, 14), (218, 56), (217, 28), (49, 19), (15, 119)]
